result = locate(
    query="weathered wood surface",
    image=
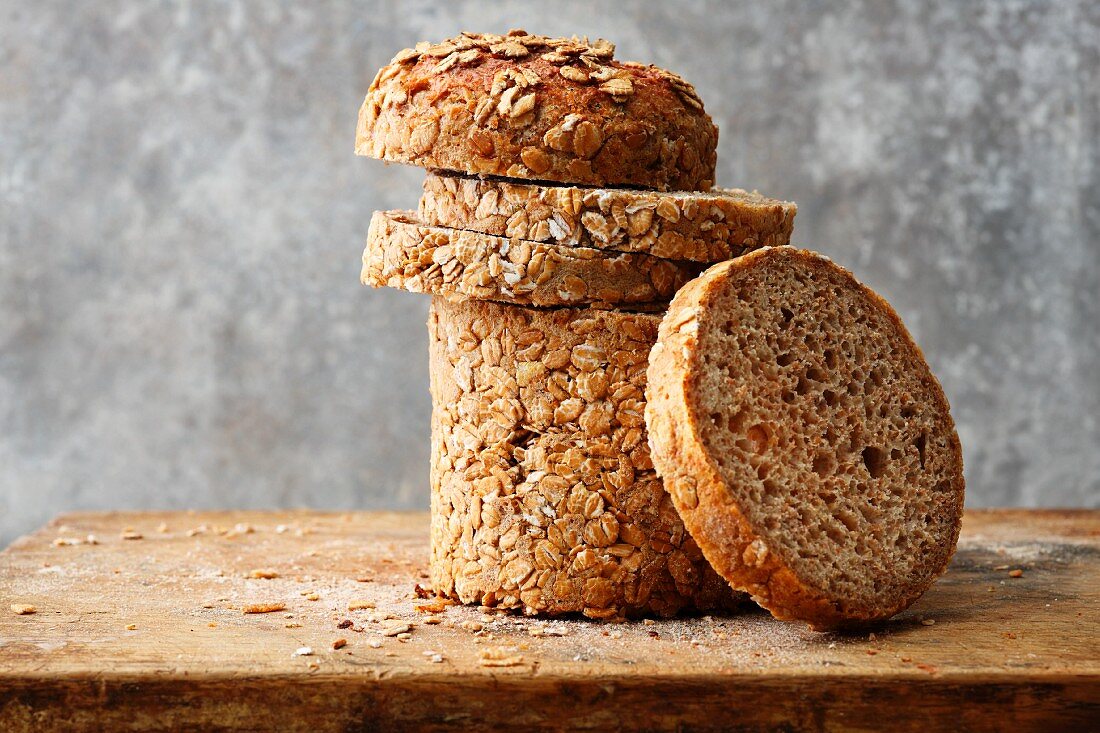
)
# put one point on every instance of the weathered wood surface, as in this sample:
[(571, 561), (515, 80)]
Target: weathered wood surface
[(994, 652)]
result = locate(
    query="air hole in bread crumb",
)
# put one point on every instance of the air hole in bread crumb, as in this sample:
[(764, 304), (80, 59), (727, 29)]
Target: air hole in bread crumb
[(875, 460), (921, 444), (830, 358), (803, 386), (824, 464), (758, 435), (816, 374), (784, 359), (830, 397), (736, 421), (788, 314)]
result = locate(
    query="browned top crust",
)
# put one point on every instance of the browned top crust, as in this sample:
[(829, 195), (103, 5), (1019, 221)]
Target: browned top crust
[(538, 108), (804, 440)]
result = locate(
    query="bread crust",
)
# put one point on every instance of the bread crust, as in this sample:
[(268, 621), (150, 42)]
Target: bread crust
[(559, 521), (708, 226), (403, 253), (739, 550), (506, 372), (538, 108)]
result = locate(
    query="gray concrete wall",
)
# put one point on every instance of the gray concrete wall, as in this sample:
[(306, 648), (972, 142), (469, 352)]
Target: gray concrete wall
[(181, 219)]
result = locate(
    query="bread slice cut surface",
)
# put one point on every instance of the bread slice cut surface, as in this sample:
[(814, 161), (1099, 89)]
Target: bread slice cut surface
[(804, 439)]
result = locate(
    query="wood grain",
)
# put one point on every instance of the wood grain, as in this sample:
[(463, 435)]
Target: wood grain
[(1003, 653)]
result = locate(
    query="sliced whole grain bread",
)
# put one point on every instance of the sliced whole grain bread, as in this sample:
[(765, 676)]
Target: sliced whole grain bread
[(706, 226), (804, 439), (538, 108), (403, 253)]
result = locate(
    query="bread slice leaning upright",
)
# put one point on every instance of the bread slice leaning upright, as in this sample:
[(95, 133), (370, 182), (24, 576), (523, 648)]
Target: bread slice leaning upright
[(804, 440)]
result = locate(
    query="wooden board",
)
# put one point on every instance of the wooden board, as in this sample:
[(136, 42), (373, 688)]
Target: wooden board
[(148, 634)]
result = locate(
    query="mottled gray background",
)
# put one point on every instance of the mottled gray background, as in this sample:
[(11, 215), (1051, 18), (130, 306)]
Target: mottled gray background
[(181, 323)]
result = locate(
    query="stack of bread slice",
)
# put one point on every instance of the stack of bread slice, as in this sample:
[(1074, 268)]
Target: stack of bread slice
[(785, 439)]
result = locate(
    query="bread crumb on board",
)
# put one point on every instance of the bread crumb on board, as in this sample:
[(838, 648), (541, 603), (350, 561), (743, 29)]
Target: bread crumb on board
[(263, 607), (360, 605), (395, 629), (499, 657), (23, 609)]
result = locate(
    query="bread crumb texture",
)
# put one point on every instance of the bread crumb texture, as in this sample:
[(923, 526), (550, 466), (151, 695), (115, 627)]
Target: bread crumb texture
[(804, 439)]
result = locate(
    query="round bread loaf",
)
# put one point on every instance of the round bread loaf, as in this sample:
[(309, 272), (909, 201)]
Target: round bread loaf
[(504, 372), (533, 107), (565, 524), (804, 440), (403, 253), (707, 226), (556, 522)]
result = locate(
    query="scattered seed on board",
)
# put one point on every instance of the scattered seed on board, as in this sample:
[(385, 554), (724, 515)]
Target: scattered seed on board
[(395, 629)]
